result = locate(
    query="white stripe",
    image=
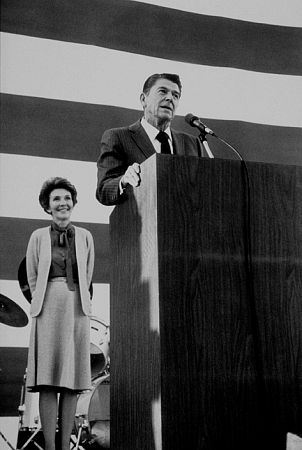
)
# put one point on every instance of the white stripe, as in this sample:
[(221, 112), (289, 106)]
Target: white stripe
[(22, 176), (10, 427), (19, 337), (276, 12), (82, 73)]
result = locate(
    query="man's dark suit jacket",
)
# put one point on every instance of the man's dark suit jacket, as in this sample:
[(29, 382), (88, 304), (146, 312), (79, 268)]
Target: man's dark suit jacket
[(121, 147)]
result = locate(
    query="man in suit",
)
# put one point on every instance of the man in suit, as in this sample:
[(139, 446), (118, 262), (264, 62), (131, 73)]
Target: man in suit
[(124, 149)]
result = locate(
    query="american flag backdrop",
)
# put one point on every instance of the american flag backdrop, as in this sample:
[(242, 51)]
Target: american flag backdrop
[(72, 68)]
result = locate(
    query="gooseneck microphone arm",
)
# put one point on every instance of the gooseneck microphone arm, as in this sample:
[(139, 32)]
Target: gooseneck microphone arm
[(195, 121), (204, 144)]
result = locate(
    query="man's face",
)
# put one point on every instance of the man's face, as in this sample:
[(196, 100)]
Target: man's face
[(161, 102)]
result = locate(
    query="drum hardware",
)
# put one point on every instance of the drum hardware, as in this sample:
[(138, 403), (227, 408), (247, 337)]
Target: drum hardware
[(21, 408), (92, 419), (83, 432), (93, 406), (31, 439), (28, 408), (91, 424), (75, 442), (99, 346), (29, 415)]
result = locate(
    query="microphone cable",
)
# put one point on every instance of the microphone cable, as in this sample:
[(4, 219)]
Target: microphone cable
[(253, 321), (250, 278)]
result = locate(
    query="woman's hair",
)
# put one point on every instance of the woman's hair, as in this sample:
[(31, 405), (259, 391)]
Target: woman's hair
[(55, 183)]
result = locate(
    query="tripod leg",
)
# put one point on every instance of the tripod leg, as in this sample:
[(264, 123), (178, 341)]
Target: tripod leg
[(30, 439), (78, 437), (7, 441)]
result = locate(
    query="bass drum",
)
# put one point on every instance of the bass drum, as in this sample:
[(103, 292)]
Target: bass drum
[(92, 420), (99, 346)]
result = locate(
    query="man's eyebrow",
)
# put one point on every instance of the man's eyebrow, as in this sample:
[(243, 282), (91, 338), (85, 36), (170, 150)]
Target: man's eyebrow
[(166, 88)]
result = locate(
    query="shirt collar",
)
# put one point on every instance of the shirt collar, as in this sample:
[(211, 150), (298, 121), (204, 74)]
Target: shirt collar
[(152, 132), (56, 227)]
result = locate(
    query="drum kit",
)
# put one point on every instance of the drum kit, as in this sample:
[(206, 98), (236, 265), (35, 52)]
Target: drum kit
[(11, 315), (92, 418)]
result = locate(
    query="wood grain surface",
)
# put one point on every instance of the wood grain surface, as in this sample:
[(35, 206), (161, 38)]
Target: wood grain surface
[(216, 339)]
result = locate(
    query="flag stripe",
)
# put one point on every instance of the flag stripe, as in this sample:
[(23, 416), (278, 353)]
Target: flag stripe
[(70, 70), (16, 232), (22, 177), (13, 364), (276, 12), (160, 32), (59, 129), (76, 72)]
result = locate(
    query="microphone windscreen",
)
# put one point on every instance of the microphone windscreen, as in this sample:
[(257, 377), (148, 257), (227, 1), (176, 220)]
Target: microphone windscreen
[(189, 118)]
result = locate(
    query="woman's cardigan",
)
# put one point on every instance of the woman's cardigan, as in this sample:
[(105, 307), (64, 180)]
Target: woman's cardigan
[(38, 260)]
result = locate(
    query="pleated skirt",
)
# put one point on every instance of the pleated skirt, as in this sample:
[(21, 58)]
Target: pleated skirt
[(59, 347)]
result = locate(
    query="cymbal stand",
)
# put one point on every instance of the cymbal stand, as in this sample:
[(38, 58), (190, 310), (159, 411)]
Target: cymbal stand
[(21, 407), (78, 437), (30, 439), (83, 427), (21, 410)]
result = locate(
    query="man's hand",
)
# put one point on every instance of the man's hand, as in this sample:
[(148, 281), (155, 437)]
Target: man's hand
[(131, 176)]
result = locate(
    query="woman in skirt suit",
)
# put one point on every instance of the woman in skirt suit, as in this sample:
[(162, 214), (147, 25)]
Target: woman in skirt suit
[(59, 262)]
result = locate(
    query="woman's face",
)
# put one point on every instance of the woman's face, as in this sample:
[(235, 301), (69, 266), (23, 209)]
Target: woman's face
[(60, 205)]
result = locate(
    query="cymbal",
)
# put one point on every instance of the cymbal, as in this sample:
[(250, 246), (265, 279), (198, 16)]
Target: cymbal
[(12, 314), (22, 278)]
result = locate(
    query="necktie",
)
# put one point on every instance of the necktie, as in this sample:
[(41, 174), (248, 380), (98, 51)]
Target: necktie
[(163, 138)]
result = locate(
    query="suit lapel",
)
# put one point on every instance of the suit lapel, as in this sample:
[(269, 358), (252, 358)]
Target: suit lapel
[(141, 139), (178, 143)]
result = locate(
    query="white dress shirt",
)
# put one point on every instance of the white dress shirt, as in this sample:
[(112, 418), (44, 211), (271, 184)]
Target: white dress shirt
[(152, 132)]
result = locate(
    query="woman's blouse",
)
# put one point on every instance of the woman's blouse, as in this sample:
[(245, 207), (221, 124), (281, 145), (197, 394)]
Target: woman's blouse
[(63, 254)]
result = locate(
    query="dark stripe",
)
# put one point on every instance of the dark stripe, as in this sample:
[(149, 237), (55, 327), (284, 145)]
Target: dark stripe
[(15, 234), (54, 128), (13, 362), (255, 142), (160, 32)]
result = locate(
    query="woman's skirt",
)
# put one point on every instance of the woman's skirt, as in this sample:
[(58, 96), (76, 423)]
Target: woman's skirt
[(59, 347)]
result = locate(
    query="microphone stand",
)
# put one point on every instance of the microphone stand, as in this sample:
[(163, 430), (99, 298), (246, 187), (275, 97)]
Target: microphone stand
[(204, 144)]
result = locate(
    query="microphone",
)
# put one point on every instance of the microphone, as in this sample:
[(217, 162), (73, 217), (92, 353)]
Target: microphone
[(195, 121)]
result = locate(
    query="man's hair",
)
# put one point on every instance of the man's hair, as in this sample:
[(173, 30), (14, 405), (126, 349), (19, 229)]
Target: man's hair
[(55, 183), (157, 76)]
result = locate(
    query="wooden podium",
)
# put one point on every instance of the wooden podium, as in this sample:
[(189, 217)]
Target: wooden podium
[(206, 307)]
